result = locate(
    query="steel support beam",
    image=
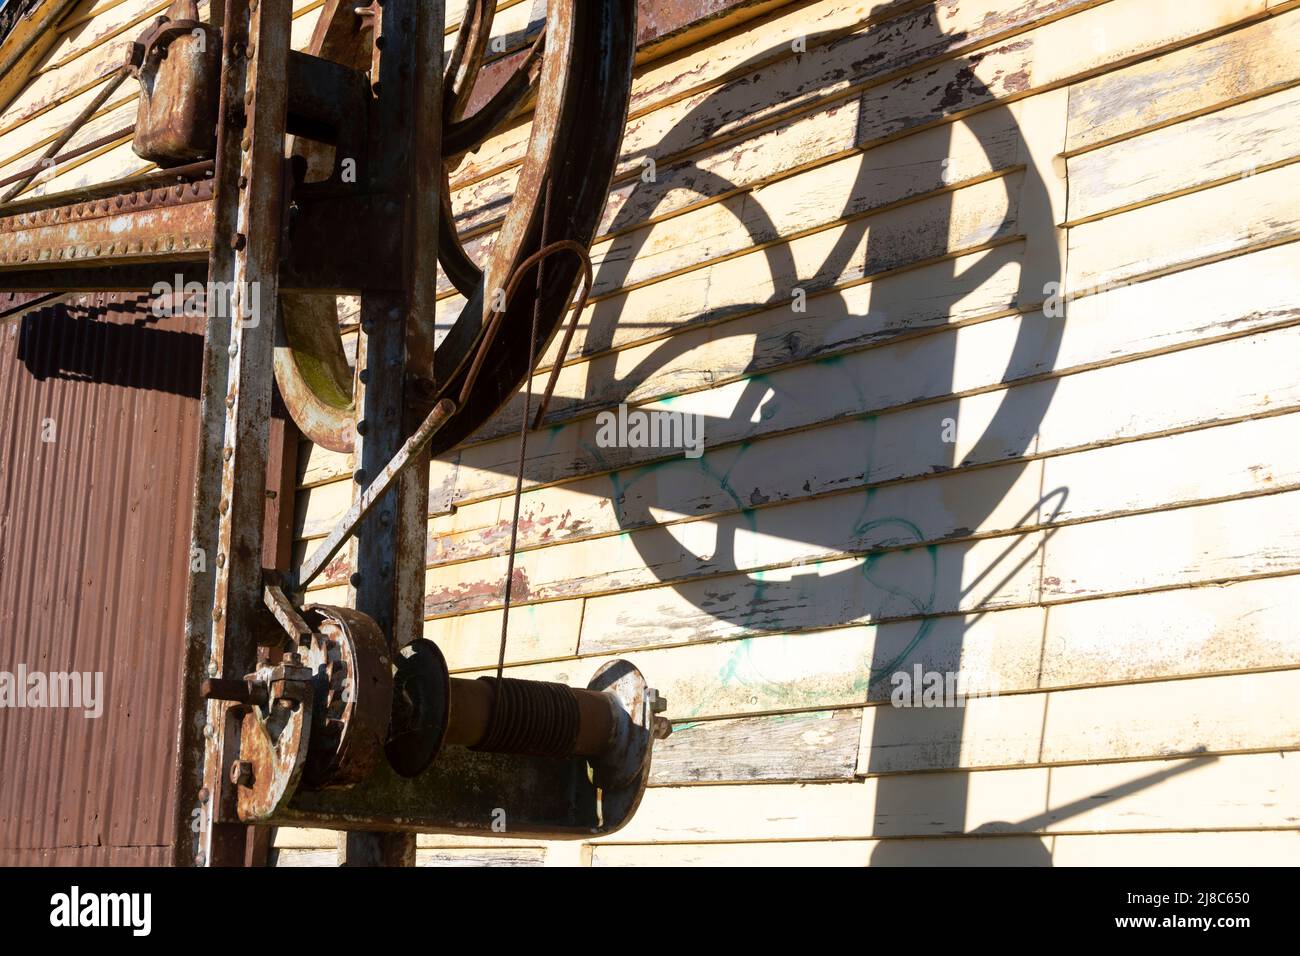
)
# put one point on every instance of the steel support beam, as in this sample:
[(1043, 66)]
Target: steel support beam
[(223, 615), (395, 356)]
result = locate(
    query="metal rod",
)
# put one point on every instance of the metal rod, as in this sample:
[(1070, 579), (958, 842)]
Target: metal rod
[(565, 342), (374, 491), (31, 172), (523, 434), (114, 82)]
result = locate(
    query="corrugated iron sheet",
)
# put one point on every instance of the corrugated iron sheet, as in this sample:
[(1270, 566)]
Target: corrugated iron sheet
[(100, 419)]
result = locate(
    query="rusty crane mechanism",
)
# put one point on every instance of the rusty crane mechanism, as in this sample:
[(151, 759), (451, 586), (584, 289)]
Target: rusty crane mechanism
[(285, 179)]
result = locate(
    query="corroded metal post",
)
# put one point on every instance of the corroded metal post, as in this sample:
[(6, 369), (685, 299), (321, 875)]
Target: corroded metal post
[(395, 356), (225, 595)]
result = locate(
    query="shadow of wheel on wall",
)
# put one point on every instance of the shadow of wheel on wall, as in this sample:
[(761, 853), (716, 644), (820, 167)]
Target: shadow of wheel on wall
[(851, 399)]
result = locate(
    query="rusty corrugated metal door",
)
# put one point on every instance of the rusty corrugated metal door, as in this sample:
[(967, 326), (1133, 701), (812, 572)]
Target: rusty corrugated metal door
[(97, 457)]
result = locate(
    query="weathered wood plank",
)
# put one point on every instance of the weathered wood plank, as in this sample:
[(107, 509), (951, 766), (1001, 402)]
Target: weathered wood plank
[(1204, 715), (1201, 630), (976, 576), (1245, 63), (958, 577), (758, 71), (1198, 849), (935, 227), (1047, 55), (1201, 716), (25, 143), (1233, 142), (1230, 792), (1041, 59), (478, 856), (1227, 297), (1253, 536), (1187, 468), (809, 746), (485, 856), (1235, 792), (536, 632), (735, 52), (129, 17), (1240, 214), (1095, 250), (1180, 633), (877, 51), (119, 115), (778, 535), (112, 162), (1246, 791)]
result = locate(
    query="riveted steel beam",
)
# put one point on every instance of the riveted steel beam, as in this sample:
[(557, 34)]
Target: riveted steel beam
[(224, 608)]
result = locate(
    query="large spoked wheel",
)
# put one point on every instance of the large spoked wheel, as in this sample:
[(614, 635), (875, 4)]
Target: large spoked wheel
[(580, 72)]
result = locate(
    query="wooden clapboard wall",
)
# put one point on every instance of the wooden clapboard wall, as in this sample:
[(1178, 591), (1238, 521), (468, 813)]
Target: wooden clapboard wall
[(1111, 537)]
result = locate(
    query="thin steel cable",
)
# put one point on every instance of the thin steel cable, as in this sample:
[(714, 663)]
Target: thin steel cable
[(565, 342), (523, 438)]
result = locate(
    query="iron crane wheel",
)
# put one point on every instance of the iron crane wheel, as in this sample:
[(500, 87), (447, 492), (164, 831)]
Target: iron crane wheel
[(579, 69)]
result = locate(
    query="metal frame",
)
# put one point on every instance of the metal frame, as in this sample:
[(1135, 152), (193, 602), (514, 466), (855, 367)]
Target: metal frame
[(274, 240)]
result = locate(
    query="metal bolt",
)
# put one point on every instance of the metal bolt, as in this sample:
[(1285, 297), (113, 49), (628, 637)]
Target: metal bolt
[(657, 704), (243, 182), (199, 858), (204, 795), (662, 728), (238, 241), (241, 773), (359, 476), (232, 352), (208, 732), (212, 665), (221, 560)]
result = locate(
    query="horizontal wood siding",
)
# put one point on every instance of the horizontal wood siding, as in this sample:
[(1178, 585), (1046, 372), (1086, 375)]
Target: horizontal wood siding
[(1037, 424)]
